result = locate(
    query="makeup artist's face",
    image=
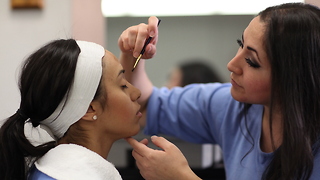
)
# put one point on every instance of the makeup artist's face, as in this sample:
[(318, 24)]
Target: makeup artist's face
[(121, 112), (250, 69)]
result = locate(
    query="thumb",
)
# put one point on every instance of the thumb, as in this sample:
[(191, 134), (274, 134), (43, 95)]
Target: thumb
[(161, 142)]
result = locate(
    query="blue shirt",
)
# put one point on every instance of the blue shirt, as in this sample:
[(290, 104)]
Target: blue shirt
[(207, 113), (35, 174)]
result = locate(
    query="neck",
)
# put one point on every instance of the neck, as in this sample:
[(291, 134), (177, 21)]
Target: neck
[(91, 140), (270, 141), (101, 147)]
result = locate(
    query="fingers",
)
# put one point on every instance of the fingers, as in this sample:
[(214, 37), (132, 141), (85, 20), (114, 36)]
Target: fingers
[(153, 26), (133, 38), (140, 39), (134, 143), (168, 163), (127, 39), (139, 147), (161, 142), (144, 141)]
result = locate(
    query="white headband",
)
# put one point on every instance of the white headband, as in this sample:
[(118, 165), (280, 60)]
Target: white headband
[(86, 81)]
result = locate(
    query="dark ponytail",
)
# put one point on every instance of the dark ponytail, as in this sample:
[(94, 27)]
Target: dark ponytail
[(45, 79)]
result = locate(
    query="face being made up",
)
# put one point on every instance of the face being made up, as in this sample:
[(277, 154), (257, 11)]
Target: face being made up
[(250, 68), (120, 115)]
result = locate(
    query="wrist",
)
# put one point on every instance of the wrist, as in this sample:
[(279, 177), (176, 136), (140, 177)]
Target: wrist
[(190, 175)]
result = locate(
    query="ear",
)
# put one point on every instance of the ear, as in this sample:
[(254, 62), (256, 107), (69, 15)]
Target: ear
[(93, 110)]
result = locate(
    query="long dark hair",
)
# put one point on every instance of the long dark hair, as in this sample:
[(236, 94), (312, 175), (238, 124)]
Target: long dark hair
[(292, 43), (45, 79)]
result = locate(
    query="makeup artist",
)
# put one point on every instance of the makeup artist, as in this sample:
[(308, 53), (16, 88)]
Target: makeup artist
[(267, 120)]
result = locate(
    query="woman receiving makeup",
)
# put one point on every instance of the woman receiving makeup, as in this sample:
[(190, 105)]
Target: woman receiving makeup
[(77, 93)]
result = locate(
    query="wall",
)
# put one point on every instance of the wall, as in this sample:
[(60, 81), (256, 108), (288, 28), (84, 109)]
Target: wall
[(313, 2), (23, 31), (88, 22)]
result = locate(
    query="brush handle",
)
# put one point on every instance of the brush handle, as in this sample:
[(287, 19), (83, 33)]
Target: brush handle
[(145, 44)]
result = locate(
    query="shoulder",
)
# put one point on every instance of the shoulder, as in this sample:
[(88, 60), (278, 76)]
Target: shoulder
[(35, 174), (71, 161)]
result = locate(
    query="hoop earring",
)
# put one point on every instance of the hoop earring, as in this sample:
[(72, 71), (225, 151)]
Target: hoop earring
[(95, 117)]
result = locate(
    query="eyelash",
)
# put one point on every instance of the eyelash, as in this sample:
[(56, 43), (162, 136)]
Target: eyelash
[(248, 60), (124, 86), (252, 64), (240, 43)]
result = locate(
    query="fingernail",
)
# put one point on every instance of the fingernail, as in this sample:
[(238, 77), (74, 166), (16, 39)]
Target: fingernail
[(153, 137), (135, 54), (151, 34)]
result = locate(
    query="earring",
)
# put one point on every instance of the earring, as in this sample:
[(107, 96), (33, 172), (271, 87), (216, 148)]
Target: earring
[(95, 117)]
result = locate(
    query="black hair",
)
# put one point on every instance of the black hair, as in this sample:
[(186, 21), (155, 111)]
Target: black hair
[(45, 79), (292, 43), (197, 71)]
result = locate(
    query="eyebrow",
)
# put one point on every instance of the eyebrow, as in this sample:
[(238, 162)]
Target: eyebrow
[(251, 49), (122, 71)]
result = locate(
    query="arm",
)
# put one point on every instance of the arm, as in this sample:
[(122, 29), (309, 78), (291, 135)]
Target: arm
[(130, 43), (168, 164)]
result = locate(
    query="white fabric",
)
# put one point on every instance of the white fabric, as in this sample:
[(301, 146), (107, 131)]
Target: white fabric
[(74, 162), (87, 77), (38, 135)]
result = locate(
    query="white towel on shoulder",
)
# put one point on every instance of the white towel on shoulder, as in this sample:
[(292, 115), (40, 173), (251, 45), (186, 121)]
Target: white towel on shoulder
[(74, 162)]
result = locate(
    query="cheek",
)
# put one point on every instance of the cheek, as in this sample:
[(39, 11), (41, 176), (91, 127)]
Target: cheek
[(121, 124), (120, 107), (257, 84), (258, 89), (121, 111)]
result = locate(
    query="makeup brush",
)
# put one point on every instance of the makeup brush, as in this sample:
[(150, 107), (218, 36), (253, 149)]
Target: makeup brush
[(143, 50)]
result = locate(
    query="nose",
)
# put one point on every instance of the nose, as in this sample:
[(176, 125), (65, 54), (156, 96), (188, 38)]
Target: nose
[(135, 94), (234, 64)]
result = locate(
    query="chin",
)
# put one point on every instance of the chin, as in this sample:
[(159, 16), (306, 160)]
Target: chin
[(134, 131), (137, 132), (238, 97)]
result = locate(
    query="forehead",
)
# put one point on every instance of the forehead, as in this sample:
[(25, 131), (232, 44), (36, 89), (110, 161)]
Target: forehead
[(255, 30), (111, 65)]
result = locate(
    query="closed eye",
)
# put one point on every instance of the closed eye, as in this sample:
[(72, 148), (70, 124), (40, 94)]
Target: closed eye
[(252, 64)]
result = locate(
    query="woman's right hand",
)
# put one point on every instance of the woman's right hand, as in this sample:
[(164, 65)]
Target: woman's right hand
[(132, 40), (168, 163)]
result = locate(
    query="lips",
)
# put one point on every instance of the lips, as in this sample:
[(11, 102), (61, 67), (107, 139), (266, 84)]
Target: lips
[(139, 114), (234, 83)]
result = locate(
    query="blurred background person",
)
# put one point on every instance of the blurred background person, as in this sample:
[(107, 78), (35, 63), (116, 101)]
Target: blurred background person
[(194, 70)]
